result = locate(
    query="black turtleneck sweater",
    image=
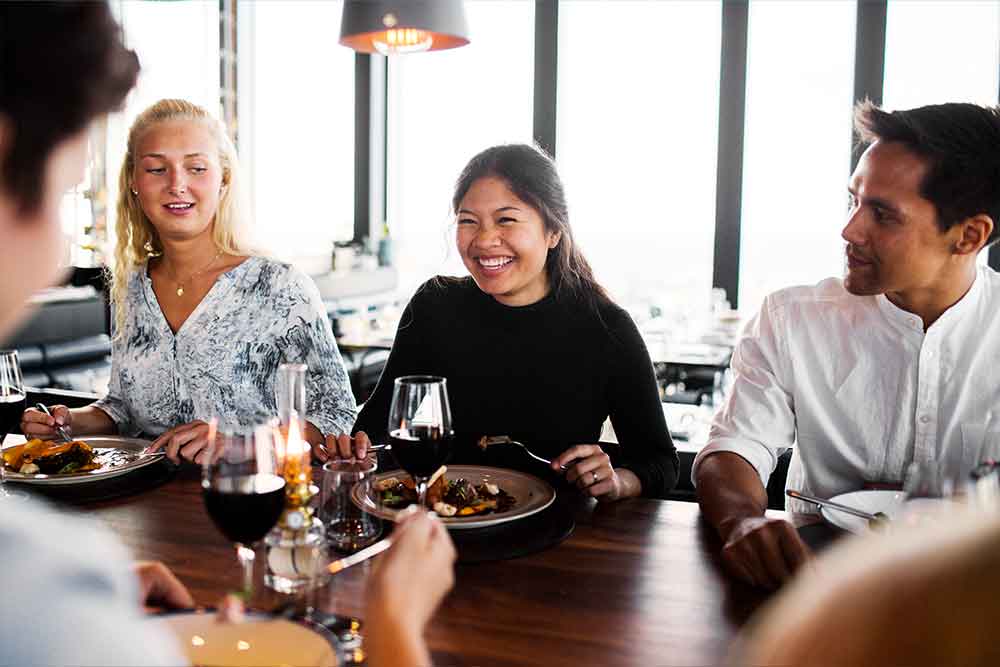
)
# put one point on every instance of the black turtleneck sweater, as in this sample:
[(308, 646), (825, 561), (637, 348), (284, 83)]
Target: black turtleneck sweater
[(547, 375)]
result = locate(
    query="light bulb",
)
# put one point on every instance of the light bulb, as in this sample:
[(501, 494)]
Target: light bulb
[(402, 40)]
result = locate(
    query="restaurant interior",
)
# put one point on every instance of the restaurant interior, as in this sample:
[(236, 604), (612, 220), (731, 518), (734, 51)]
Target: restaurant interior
[(705, 147)]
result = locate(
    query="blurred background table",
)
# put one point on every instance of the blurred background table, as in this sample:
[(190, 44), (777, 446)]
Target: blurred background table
[(637, 583)]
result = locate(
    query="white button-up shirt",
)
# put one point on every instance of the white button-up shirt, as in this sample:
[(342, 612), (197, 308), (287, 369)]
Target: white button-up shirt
[(859, 389)]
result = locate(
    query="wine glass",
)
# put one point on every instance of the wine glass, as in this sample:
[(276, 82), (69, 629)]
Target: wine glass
[(420, 428), (12, 401), (243, 490)]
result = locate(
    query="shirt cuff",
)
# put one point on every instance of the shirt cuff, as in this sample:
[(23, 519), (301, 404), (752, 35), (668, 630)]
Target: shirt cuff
[(763, 459)]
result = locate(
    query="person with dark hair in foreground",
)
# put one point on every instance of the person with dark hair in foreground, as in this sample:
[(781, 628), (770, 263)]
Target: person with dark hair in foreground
[(69, 593), (892, 365), (532, 346)]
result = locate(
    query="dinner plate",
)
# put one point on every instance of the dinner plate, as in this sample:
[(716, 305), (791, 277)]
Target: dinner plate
[(259, 641), (104, 444), (888, 502), (532, 495)]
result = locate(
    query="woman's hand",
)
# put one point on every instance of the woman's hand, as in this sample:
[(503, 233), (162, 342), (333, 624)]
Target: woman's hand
[(589, 467), (37, 424), (187, 441), (407, 584), (342, 446)]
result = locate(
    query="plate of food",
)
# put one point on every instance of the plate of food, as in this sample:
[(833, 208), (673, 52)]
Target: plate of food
[(463, 496), (90, 459), (257, 640)]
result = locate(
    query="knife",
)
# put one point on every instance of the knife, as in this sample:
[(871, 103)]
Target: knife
[(363, 555)]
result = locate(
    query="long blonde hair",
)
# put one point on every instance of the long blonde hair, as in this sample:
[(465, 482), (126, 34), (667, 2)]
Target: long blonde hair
[(137, 238)]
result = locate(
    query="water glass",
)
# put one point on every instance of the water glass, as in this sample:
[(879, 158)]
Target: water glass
[(348, 527)]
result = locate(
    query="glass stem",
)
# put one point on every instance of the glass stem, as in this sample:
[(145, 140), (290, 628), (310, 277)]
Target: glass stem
[(422, 492), (246, 557)]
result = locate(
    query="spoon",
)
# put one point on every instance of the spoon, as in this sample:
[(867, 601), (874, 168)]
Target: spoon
[(876, 520), (59, 429)]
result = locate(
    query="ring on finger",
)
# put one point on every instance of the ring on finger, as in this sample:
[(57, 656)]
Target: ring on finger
[(593, 476)]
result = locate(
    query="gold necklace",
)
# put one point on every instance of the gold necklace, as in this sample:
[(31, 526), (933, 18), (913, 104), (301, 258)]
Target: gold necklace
[(180, 285)]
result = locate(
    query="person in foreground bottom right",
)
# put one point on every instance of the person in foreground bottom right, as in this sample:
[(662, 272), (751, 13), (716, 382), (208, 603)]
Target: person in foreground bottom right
[(924, 599)]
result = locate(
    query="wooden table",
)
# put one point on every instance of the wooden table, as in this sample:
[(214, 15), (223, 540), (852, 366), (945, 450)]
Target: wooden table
[(637, 583)]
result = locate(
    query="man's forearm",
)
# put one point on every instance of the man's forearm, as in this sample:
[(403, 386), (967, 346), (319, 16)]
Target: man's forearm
[(729, 490)]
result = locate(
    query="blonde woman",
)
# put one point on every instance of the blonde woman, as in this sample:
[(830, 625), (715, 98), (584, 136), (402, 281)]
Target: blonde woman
[(201, 321)]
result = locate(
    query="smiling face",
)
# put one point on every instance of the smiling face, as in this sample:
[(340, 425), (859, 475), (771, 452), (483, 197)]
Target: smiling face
[(894, 244), (504, 243), (178, 176)]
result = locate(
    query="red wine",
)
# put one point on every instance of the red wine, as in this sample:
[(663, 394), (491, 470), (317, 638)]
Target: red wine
[(244, 508), (421, 450), (11, 409)]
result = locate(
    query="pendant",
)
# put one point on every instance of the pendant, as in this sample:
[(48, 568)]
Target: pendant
[(180, 291)]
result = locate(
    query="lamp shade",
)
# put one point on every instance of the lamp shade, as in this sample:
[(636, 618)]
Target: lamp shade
[(403, 26)]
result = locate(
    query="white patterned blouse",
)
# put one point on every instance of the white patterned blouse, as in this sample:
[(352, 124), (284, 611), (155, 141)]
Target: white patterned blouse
[(223, 360)]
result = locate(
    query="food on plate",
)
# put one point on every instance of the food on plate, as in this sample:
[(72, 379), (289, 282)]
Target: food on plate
[(50, 457), (448, 497)]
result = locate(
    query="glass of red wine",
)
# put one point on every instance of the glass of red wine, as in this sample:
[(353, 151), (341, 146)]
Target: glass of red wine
[(243, 489), (420, 428), (12, 401)]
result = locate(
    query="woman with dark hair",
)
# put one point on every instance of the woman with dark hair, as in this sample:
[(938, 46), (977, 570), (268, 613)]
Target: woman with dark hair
[(532, 346)]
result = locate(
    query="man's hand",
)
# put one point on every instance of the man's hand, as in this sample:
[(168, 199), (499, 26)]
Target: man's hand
[(158, 587), (763, 551)]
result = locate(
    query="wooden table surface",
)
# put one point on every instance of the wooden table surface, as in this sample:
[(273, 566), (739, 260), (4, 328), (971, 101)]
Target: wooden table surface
[(637, 583)]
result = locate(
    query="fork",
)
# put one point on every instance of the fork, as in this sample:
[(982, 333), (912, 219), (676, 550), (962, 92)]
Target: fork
[(488, 440), (59, 429)]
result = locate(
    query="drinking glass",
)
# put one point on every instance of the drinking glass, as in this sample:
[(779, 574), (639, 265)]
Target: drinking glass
[(243, 490), (420, 428), (348, 527), (927, 486), (12, 401)]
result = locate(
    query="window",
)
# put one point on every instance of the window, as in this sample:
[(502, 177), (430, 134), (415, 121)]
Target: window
[(800, 67), (171, 68), (296, 115), (636, 139), (941, 52), (443, 108)]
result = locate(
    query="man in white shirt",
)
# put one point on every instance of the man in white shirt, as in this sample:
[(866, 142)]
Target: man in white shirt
[(893, 364)]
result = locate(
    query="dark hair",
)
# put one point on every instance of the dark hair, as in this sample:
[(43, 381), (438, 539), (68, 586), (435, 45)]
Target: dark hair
[(63, 65), (531, 175), (961, 145)]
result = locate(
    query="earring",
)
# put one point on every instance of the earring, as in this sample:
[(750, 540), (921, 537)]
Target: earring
[(135, 192), (148, 247)]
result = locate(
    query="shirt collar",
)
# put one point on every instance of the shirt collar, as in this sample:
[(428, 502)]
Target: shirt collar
[(910, 322)]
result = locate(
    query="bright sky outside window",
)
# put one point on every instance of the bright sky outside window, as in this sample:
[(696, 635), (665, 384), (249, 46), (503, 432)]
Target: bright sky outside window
[(444, 107), (800, 78), (300, 113), (636, 143)]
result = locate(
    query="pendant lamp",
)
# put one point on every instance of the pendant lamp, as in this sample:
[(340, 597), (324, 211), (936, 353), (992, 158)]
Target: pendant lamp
[(403, 26)]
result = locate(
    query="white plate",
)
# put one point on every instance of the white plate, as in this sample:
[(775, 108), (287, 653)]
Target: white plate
[(98, 442), (888, 502), (532, 495), (258, 641)]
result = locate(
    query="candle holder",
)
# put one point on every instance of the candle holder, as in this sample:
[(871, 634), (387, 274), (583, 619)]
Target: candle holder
[(296, 547)]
